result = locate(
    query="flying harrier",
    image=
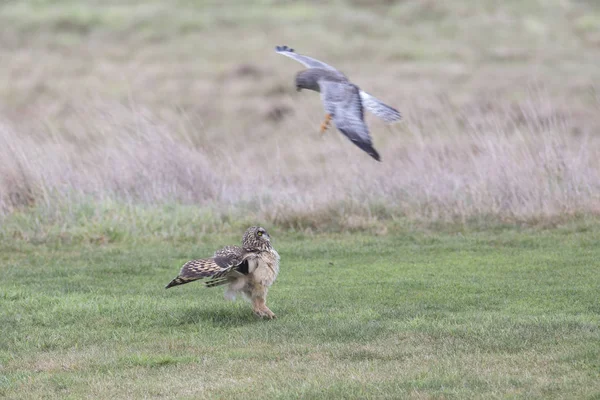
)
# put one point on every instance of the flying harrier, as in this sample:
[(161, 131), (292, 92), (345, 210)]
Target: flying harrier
[(248, 270), (344, 102)]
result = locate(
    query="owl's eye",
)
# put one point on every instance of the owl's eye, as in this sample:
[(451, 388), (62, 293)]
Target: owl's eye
[(259, 233)]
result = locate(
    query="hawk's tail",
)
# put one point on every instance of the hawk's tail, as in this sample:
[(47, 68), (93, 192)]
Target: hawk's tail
[(379, 108)]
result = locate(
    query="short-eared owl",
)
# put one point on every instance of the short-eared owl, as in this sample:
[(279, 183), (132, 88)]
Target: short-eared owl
[(248, 270)]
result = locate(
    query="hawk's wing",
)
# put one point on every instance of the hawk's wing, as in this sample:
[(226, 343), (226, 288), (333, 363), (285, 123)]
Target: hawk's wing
[(222, 263), (371, 103), (304, 60), (343, 101), (379, 108)]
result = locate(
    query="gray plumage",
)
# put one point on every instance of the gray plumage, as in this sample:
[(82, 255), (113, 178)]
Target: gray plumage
[(342, 100)]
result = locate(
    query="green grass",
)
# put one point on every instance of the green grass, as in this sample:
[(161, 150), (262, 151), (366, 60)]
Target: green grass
[(137, 134), (514, 313)]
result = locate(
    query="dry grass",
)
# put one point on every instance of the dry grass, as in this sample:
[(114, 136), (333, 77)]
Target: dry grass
[(108, 103), (516, 163)]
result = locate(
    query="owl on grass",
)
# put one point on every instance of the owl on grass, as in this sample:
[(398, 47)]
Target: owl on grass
[(248, 270)]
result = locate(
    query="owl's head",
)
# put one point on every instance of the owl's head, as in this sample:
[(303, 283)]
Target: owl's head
[(256, 238)]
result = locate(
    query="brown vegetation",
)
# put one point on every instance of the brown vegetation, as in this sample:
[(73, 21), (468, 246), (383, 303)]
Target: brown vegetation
[(502, 128)]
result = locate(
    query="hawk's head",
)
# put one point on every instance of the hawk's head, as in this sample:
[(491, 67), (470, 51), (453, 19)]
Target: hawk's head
[(308, 79), (256, 238)]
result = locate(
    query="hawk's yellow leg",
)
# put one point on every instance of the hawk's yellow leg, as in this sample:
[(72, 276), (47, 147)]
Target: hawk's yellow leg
[(325, 123)]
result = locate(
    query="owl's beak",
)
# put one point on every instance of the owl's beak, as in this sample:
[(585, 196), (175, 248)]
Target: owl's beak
[(298, 88)]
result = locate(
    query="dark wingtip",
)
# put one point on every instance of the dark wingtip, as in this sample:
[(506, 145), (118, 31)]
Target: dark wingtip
[(370, 150), (174, 282), (375, 155), (367, 147), (284, 48)]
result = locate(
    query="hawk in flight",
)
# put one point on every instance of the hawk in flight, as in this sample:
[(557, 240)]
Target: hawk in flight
[(344, 102), (248, 270)]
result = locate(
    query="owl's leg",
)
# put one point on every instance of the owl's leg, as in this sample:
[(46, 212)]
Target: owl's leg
[(259, 302), (325, 123), (235, 287)]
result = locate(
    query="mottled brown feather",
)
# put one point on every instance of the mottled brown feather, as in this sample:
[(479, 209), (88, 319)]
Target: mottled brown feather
[(248, 270), (223, 262)]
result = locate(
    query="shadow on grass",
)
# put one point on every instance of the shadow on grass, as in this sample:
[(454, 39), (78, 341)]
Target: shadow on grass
[(217, 316)]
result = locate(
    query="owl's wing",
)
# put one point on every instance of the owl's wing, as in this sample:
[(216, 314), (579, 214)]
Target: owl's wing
[(222, 263), (343, 100), (379, 108), (304, 60), (229, 255)]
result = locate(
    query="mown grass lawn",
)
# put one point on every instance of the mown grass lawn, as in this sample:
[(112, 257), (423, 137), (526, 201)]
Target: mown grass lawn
[(504, 314)]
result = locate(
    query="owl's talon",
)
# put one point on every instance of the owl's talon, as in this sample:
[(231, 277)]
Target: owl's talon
[(264, 313)]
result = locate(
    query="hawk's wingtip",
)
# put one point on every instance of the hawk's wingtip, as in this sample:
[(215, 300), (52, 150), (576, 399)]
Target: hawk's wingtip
[(373, 153), (283, 48)]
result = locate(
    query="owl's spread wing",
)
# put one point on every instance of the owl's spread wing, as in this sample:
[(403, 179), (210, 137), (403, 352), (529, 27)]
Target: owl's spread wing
[(343, 101), (224, 261), (379, 108), (229, 256), (304, 60)]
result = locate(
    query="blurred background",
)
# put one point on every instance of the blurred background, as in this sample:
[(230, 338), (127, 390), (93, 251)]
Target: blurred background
[(152, 116)]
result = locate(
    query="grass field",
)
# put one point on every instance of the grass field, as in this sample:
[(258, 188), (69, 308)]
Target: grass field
[(135, 135), (474, 315), (153, 103)]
